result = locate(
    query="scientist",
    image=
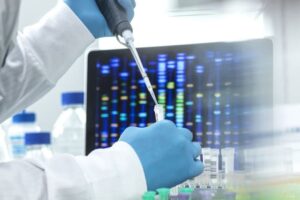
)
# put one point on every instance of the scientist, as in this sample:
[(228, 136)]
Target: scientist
[(31, 62)]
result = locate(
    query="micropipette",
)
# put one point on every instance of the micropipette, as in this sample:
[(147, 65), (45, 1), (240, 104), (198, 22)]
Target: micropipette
[(118, 23)]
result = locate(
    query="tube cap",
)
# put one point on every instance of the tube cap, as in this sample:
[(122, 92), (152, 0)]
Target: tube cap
[(163, 193), (186, 190), (71, 98), (24, 117), (149, 195), (36, 138)]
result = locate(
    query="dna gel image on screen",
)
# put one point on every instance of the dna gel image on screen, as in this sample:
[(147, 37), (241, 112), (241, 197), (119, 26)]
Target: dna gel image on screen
[(211, 89)]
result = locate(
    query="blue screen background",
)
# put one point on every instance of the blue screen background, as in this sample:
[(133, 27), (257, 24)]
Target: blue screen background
[(212, 90)]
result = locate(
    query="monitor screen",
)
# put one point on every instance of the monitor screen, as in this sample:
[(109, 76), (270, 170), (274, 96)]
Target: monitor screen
[(212, 89)]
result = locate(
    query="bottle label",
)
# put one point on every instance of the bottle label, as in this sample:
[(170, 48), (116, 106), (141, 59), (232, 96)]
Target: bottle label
[(17, 146)]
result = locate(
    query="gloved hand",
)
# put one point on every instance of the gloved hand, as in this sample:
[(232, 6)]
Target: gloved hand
[(90, 15), (166, 153)]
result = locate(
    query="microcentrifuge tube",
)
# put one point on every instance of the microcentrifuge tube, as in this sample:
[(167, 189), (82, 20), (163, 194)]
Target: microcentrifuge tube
[(227, 160), (173, 197), (214, 174), (202, 194), (227, 155), (183, 196), (206, 155)]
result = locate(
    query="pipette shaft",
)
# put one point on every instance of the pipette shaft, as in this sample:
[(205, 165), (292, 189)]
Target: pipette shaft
[(158, 109), (142, 71), (117, 20)]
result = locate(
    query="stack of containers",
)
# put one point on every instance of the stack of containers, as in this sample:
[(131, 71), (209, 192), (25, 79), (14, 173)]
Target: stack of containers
[(21, 123)]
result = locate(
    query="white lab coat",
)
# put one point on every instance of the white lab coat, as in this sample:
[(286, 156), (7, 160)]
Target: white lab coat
[(30, 65)]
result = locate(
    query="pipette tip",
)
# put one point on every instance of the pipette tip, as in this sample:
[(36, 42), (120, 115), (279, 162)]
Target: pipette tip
[(159, 112)]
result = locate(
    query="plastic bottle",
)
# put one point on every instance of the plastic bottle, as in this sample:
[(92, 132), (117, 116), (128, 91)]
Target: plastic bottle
[(6, 124), (69, 129), (21, 123), (38, 145), (4, 155)]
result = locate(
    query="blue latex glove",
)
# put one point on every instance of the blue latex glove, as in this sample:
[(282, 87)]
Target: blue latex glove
[(89, 13), (166, 153)]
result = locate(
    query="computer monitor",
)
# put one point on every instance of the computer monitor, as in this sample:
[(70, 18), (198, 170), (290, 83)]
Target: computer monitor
[(212, 89)]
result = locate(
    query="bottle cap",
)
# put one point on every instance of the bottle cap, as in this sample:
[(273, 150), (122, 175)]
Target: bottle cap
[(72, 98), (24, 117), (163, 193), (186, 190), (149, 195), (36, 138), (163, 190)]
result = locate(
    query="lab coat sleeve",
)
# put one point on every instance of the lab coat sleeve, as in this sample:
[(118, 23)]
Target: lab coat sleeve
[(30, 65), (111, 174), (36, 58)]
